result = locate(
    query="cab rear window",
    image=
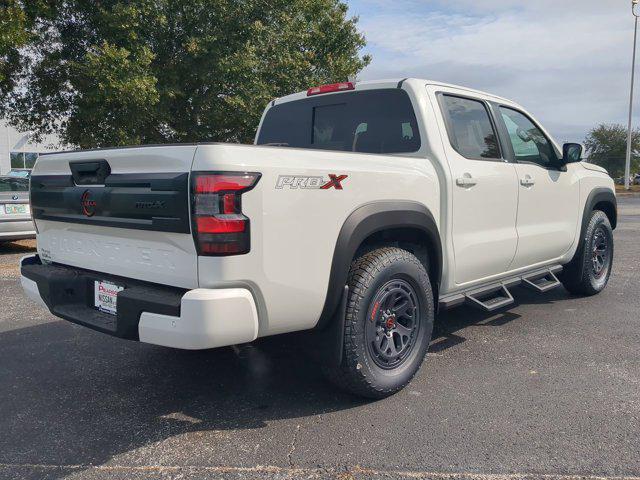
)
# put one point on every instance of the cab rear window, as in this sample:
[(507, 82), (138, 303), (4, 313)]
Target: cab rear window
[(370, 121)]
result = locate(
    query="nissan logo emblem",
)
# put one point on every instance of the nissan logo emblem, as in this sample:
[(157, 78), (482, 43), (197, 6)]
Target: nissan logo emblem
[(88, 204)]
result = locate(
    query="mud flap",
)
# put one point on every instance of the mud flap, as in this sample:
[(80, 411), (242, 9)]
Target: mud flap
[(329, 342)]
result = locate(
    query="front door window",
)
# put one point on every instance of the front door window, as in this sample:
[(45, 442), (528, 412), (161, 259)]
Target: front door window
[(529, 144)]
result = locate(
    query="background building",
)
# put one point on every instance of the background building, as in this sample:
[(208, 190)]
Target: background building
[(17, 150)]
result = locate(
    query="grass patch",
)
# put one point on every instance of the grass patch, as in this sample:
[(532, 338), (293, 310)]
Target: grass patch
[(634, 188)]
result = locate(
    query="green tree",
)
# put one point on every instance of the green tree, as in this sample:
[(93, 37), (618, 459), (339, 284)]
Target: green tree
[(120, 72), (17, 20), (13, 36), (607, 146)]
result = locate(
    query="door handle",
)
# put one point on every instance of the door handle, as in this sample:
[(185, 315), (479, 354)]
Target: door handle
[(466, 181), (527, 181)]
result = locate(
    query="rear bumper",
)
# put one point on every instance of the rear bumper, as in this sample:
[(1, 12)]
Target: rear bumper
[(172, 317), (16, 229)]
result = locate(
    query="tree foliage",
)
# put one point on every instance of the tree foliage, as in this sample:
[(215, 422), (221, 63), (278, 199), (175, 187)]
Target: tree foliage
[(607, 146), (13, 36), (115, 72)]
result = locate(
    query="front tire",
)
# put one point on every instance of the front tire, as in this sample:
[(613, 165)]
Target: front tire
[(388, 323), (589, 271)]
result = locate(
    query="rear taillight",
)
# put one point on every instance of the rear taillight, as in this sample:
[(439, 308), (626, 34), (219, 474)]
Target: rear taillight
[(334, 87), (219, 227)]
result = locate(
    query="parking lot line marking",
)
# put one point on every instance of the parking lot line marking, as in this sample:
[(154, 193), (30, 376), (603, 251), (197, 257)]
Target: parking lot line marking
[(353, 470)]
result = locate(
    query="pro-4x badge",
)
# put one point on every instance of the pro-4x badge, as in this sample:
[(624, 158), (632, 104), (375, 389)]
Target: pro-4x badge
[(311, 183)]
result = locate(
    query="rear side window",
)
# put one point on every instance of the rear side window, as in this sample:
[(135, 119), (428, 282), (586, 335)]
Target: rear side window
[(470, 129), (12, 184), (370, 121)]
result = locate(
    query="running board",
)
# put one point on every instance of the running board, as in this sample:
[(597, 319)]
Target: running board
[(492, 296), (541, 283)]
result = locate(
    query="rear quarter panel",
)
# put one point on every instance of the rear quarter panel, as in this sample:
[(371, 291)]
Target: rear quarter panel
[(294, 230)]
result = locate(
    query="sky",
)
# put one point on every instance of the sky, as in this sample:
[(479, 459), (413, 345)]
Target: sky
[(567, 62)]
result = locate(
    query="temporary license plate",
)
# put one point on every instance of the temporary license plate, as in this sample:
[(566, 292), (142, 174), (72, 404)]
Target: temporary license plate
[(15, 209), (106, 297)]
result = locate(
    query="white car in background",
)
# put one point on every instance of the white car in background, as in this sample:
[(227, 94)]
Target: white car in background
[(15, 214)]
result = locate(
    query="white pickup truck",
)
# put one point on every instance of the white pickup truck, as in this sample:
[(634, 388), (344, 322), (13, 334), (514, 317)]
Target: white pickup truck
[(361, 210)]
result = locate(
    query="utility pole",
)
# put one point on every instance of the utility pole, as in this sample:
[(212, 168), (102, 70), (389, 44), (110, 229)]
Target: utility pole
[(627, 165)]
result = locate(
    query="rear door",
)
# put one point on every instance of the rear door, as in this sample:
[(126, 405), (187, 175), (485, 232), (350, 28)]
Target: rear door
[(123, 212), (484, 188)]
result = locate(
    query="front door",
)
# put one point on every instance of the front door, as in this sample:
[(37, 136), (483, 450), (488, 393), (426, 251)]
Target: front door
[(549, 196), (484, 190)]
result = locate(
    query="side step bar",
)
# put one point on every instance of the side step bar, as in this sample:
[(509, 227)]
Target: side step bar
[(542, 283), (491, 300), (496, 295)]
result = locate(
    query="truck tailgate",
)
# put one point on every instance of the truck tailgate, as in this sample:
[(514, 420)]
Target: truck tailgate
[(122, 212)]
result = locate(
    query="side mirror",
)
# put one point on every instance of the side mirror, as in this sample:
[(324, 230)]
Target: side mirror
[(571, 153), (523, 135)]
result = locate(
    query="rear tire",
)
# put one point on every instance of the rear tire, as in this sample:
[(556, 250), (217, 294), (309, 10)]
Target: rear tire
[(388, 323), (589, 271)]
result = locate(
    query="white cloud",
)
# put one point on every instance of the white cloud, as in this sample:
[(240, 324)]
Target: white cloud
[(566, 61)]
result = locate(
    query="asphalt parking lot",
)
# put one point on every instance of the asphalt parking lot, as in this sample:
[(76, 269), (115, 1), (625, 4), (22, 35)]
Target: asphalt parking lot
[(549, 387)]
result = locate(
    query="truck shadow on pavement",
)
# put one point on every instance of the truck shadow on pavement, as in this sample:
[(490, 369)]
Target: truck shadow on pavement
[(70, 396), (450, 323), (21, 247)]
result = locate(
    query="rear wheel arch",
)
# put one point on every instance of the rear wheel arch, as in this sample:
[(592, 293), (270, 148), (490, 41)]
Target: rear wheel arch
[(408, 225), (411, 239)]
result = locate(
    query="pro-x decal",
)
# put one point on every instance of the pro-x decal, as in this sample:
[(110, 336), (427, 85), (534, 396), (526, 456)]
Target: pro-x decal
[(311, 183)]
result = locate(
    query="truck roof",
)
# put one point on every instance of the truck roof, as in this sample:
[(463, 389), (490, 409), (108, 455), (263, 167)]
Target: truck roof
[(393, 83)]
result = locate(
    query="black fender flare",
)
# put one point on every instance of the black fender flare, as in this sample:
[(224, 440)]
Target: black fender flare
[(600, 195), (366, 220)]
